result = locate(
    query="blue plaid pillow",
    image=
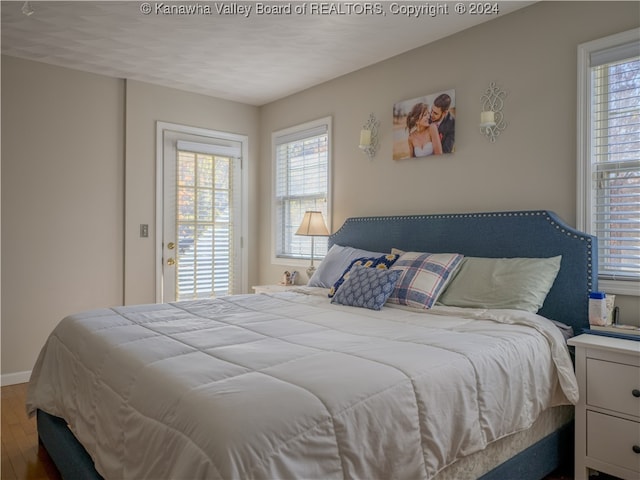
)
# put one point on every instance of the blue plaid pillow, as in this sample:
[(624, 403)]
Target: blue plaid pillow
[(382, 263), (367, 287), (424, 276)]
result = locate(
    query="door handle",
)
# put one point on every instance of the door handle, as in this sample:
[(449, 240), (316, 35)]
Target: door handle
[(171, 245), (171, 261)]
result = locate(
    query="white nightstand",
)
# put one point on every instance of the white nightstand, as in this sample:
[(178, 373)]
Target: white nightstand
[(608, 411), (276, 287)]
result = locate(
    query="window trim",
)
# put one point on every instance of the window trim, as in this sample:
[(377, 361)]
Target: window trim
[(584, 191), (324, 121)]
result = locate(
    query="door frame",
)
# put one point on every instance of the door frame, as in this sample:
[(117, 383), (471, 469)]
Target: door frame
[(161, 127)]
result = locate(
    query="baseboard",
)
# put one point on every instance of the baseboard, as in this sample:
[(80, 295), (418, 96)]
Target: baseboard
[(14, 378)]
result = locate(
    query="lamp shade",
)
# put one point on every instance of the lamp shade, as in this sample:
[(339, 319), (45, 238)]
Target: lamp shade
[(313, 225)]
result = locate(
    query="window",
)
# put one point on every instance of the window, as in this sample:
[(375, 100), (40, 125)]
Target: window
[(301, 174), (609, 156)]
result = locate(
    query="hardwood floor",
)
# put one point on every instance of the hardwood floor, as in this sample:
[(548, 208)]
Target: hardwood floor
[(22, 457)]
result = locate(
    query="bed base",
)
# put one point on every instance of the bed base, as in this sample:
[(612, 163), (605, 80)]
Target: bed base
[(540, 459), (70, 457), (534, 463)]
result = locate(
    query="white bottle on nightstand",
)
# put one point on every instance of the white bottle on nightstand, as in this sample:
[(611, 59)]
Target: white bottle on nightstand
[(597, 308)]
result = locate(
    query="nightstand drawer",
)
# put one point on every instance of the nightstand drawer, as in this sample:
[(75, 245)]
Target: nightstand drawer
[(611, 439), (611, 386)]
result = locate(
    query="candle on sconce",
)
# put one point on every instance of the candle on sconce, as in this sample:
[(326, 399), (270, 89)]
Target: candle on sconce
[(365, 138), (487, 118)]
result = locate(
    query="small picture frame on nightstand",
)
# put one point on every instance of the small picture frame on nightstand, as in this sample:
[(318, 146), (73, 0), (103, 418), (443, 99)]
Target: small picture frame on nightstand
[(289, 278)]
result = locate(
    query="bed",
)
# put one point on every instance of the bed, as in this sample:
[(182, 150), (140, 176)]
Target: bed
[(295, 385)]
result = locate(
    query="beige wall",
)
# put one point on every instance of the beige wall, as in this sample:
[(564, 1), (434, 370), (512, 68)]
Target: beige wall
[(78, 178), (62, 201), (530, 53), (145, 105)]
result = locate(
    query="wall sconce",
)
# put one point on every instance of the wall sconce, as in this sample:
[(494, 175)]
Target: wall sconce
[(27, 9), (369, 137), (491, 118)]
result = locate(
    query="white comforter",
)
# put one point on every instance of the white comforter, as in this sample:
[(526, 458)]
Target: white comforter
[(290, 386)]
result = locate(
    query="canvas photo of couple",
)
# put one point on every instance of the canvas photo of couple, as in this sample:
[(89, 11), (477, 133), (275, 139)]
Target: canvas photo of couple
[(424, 126)]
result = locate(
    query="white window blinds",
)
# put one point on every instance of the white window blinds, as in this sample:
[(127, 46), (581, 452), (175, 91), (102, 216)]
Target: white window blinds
[(301, 184), (614, 158), (204, 220)]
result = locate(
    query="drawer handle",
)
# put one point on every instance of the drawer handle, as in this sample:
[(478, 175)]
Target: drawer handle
[(635, 392), (636, 448)]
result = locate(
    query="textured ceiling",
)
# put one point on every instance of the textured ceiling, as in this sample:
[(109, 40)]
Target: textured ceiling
[(240, 54)]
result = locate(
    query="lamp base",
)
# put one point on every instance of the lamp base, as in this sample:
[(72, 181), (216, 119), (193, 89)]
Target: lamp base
[(310, 271)]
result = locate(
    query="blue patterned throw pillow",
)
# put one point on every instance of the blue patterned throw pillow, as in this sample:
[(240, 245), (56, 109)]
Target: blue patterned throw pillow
[(367, 287), (382, 263)]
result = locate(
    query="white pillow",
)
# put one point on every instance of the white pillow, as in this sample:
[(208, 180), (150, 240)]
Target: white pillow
[(335, 262), (516, 283)]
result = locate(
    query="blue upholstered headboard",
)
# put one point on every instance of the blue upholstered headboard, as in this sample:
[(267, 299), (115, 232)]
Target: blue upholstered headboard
[(496, 234)]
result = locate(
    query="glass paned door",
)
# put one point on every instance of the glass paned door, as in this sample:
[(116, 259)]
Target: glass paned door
[(201, 220), (203, 226)]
